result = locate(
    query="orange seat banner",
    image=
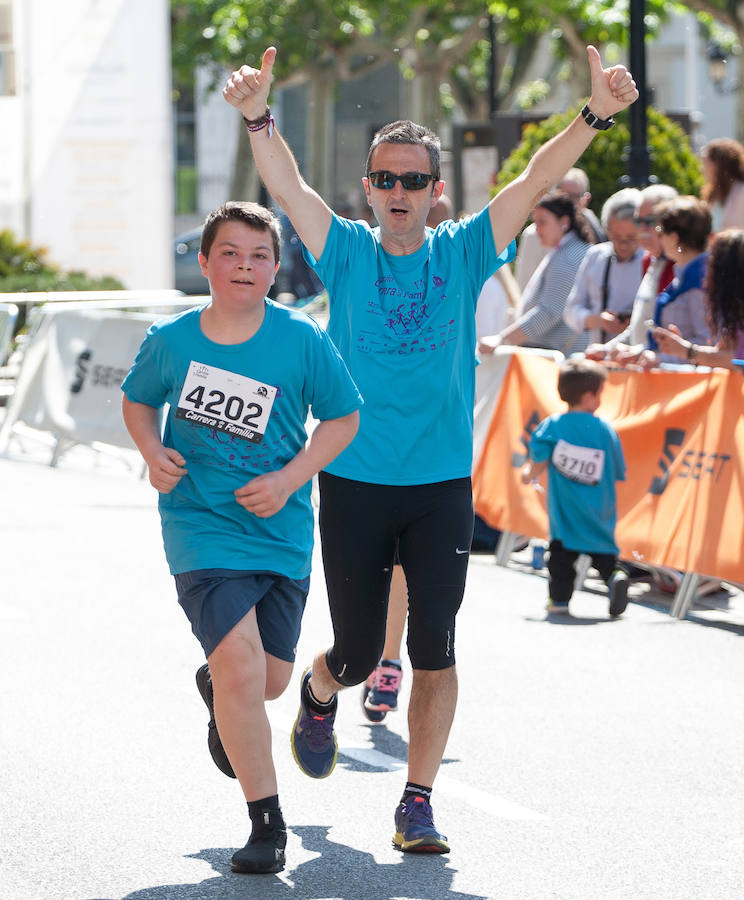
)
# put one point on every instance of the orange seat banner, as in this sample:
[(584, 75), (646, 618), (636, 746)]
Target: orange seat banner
[(682, 434)]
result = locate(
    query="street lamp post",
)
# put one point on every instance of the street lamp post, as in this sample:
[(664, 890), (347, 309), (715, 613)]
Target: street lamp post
[(638, 157)]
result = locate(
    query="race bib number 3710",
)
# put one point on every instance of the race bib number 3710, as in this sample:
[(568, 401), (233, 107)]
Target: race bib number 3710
[(582, 464), (235, 404)]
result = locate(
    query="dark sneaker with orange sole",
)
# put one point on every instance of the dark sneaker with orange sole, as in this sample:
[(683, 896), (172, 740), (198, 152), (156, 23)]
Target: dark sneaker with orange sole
[(414, 828), (314, 744)]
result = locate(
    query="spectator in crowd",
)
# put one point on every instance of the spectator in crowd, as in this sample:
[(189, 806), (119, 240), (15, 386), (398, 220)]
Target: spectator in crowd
[(723, 170), (584, 458), (561, 228), (606, 284), (684, 231), (498, 303), (724, 305), (530, 252), (657, 270)]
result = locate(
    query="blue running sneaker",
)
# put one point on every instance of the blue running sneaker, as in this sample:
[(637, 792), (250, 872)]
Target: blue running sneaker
[(414, 828), (314, 744), (375, 716)]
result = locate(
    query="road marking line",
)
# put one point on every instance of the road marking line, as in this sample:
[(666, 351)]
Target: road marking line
[(499, 807)]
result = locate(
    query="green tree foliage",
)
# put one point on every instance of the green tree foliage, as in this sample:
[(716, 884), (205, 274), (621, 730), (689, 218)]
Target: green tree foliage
[(672, 160)]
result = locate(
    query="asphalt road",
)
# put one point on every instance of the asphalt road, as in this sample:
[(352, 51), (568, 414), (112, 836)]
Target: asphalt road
[(589, 758)]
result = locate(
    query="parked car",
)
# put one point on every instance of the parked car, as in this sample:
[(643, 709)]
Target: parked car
[(189, 278)]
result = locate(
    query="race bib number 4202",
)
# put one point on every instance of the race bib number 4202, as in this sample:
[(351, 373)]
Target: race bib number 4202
[(235, 404), (582, 464)]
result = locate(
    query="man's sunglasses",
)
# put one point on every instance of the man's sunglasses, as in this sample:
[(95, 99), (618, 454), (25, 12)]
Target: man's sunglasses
[(649, 221), (410, 181)]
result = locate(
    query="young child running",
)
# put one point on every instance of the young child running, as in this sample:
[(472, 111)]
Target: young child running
[(233, 469), (584, 459)]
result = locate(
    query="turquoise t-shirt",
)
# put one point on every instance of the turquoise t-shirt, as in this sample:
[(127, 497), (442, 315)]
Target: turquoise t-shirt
[(406, 327), (585, 459), (236, 411)]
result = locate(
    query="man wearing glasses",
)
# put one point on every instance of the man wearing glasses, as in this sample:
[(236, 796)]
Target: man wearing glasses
[(402, 314), (606, 284), (657, 274)]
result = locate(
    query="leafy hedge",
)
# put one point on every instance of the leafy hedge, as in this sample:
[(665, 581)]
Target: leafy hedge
[(671, 159), (25, 268)]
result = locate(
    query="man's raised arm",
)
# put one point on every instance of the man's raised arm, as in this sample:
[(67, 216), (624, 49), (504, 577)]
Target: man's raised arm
[(612, 90), (247, 90)]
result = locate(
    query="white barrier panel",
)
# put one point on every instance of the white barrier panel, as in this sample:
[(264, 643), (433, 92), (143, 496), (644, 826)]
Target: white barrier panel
[(70, 380), (8, 316)]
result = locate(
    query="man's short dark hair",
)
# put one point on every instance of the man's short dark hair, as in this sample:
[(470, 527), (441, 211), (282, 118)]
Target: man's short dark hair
[(577, 377), (251, 214), (406, 132)]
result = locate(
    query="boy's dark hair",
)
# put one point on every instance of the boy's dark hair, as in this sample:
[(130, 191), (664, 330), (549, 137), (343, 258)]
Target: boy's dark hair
[(406, 132), (576, 377), (251, 214)]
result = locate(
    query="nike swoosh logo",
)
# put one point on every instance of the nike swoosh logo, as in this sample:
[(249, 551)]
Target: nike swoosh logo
[(457, 550)]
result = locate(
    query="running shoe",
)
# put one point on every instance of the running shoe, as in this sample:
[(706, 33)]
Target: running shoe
[(374, 716), (264, 852), (618, 590), (383, 686), (217, 751), (414, 828), (560, 609), (314, 744)]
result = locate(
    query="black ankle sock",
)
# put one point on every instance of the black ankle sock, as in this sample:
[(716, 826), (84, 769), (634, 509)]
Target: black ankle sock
[(266, 815), (322, 709), (416, 790)]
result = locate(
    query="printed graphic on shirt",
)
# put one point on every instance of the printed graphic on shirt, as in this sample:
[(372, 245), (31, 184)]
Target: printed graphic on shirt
[(582, 464), (230, 403), (408, 326)]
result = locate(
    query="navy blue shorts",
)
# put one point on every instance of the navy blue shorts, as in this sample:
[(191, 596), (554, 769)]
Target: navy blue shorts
[(215, 600)]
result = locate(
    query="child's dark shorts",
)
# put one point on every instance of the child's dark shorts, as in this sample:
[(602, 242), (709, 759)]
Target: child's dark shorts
[(215, 600)]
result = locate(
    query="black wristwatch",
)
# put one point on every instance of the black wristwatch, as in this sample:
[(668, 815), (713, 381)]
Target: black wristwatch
[(594, 121)]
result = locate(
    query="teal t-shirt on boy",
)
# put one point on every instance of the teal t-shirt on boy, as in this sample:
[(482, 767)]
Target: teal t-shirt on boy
[(236, 411)]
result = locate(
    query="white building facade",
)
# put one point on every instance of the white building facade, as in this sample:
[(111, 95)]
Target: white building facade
[(85, 125)]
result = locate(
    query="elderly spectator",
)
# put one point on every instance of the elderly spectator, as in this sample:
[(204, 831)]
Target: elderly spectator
[(530, 252), (658, 273), (606, 284), (561, 228)]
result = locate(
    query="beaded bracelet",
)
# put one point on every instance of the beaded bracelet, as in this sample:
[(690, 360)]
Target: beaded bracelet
[(265, 121)]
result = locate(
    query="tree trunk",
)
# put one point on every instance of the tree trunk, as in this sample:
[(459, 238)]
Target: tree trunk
[(320, 124), (423, 91), (245, 183)]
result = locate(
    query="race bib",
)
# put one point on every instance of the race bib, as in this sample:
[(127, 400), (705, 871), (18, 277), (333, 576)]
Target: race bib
[(234, 404), (582, 464)]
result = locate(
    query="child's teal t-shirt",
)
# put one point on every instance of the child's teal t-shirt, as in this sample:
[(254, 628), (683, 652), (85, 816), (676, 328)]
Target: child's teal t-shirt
[(585, 459), (236, 411)]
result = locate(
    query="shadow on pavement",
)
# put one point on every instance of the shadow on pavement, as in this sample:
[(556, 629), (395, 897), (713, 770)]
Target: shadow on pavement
[(339, 871)]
